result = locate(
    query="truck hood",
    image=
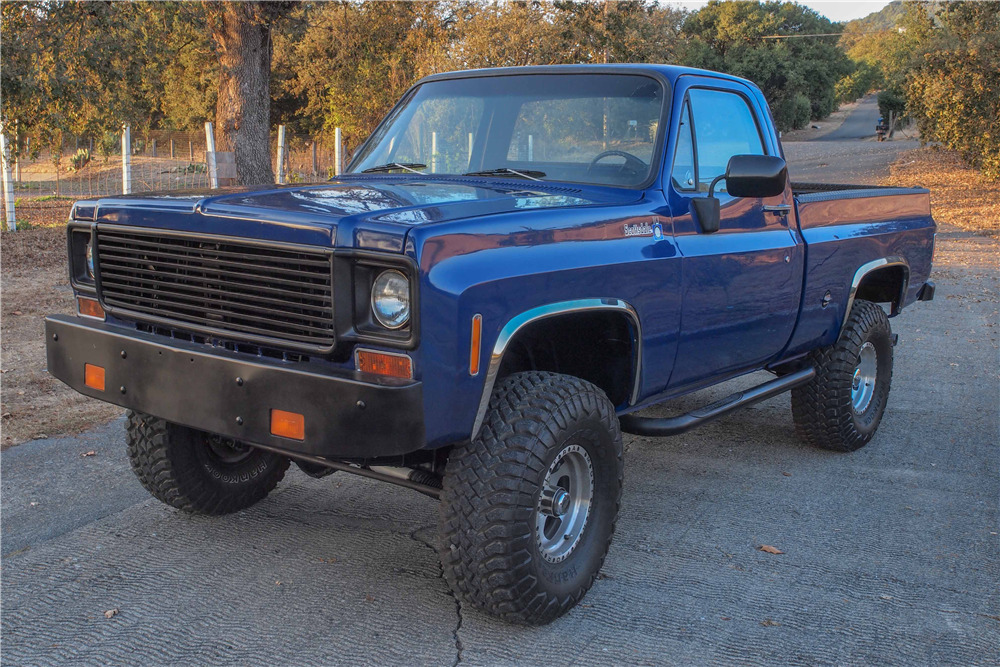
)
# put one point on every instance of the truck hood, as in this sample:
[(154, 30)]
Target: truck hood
[(366, 212)]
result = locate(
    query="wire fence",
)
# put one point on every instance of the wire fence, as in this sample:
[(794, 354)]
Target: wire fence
[(44, 186)]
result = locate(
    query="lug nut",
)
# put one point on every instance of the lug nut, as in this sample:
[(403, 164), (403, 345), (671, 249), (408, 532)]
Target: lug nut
[(239, 421)]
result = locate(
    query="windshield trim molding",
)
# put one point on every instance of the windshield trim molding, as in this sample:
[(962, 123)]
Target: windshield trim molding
[(659, 145)]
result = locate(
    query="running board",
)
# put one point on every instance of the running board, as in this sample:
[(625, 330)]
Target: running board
[(663, 426)]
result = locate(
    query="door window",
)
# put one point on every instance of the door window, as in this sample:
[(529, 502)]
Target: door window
[(724, 126), (682, 173)]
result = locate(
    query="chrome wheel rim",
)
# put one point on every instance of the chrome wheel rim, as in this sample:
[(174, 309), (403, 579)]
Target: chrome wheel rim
[(863, 383), (564, 503)]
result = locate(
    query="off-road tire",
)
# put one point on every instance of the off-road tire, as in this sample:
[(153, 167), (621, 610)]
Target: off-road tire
[(178, 467), (488, 546), (822, 409)]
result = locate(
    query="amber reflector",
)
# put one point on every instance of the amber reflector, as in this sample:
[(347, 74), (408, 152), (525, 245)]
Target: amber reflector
[(93, 377), (89, 307), (395, 365), (477, 338), (288, 424)]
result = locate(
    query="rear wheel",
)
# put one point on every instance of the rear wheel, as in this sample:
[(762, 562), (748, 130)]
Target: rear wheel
[(840, 409), (199, 472), (529, 507)]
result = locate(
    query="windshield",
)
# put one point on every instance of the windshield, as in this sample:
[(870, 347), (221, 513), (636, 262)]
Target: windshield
[(583, 128)]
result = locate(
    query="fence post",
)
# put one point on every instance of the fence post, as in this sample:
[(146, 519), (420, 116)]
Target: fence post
[(191, 151), (153, 147), (279, 177), (213, 170), (8, 185), (315, 161), (126, 159), (434, 152), (337, 148), (172, 154)]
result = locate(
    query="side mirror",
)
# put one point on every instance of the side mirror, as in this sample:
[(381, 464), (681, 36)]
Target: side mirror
[(746, 176), (756, 176)]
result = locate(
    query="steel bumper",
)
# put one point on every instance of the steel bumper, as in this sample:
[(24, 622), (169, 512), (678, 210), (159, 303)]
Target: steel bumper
[(348, 415)]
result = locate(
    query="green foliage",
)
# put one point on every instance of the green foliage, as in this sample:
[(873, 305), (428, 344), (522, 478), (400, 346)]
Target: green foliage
[(80, 160), (953, 89), (729, 37), (891, 103)]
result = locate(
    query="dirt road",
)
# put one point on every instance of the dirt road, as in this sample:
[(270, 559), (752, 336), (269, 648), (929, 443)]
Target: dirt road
[(890, 553)]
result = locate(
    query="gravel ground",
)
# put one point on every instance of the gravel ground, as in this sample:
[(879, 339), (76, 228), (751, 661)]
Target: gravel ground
[(890, 554)]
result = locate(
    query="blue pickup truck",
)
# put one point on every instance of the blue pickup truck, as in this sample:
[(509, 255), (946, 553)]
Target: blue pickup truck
[(513, 266)]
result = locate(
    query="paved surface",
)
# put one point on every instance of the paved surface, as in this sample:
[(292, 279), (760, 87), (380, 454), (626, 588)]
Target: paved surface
[(859, 124), (890, 553)]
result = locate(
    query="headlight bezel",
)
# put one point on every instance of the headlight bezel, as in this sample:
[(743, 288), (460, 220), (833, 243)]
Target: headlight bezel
[(80, 236), (357, 284)]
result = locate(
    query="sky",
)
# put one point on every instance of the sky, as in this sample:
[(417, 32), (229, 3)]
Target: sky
[(842, 10)]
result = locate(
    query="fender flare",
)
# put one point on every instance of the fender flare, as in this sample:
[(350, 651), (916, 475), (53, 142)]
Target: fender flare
[(520, 321), (871, 267)]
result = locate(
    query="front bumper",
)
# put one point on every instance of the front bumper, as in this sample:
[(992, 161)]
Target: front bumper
[(348, 415)]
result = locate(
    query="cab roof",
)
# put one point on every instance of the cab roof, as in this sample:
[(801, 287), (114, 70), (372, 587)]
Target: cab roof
[(669, 73)]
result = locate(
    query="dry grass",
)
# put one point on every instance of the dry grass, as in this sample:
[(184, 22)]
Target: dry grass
[(959, 195), (35, 283)]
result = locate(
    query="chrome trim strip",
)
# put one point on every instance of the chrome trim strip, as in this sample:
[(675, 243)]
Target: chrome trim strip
[(874, 265), (546, 311)]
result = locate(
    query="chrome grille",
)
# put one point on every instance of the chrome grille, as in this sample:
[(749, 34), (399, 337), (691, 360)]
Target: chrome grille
[(263, 293)]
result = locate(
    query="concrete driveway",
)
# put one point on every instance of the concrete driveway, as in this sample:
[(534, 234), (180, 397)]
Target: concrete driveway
[(890, 553)]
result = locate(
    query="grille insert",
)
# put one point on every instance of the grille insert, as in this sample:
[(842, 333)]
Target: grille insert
[(270, 294)]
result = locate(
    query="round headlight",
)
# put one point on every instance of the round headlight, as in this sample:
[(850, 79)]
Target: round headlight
[(90, 260), (391, 299)]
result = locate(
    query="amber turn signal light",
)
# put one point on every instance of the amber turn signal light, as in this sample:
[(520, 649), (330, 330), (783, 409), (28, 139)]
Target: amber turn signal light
[(89, 307), (93, 376), (288, 425), (477, 338), (383, 363)]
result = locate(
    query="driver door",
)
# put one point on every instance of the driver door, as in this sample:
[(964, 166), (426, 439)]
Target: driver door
[(741, 285)]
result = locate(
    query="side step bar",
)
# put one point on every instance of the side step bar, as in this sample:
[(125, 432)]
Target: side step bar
[(664, 426)]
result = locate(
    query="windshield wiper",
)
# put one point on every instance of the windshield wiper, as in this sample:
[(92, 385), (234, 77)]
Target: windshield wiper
[(504, 171), (390, 166)]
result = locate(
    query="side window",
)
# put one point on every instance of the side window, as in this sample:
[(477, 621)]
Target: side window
[(682, 173), (724, 126)]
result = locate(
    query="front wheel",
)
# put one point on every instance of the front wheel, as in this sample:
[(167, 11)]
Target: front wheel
[(529, 507), (840, 409), (199, 472)]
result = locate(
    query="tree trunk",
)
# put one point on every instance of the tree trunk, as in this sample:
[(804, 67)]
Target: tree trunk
[(242, 115)]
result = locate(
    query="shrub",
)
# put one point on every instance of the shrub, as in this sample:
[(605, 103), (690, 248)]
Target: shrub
[(80, 160)]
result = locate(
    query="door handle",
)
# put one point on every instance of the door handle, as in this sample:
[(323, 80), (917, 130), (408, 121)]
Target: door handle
[(778, 209)]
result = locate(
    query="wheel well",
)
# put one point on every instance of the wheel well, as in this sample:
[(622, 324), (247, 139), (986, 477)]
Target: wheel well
[(885, 285), (597, 347)]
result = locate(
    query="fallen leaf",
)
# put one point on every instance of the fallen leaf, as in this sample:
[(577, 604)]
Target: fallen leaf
[(771, 550), (886, 597), (277, 583), (110, 613), (725, 618), (90, 453), (34, 504), (369, 598), (768, 623), (786, 474), (39, 436), (18, 312)]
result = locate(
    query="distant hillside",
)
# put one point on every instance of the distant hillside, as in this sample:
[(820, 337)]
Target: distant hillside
[(884, 19)]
